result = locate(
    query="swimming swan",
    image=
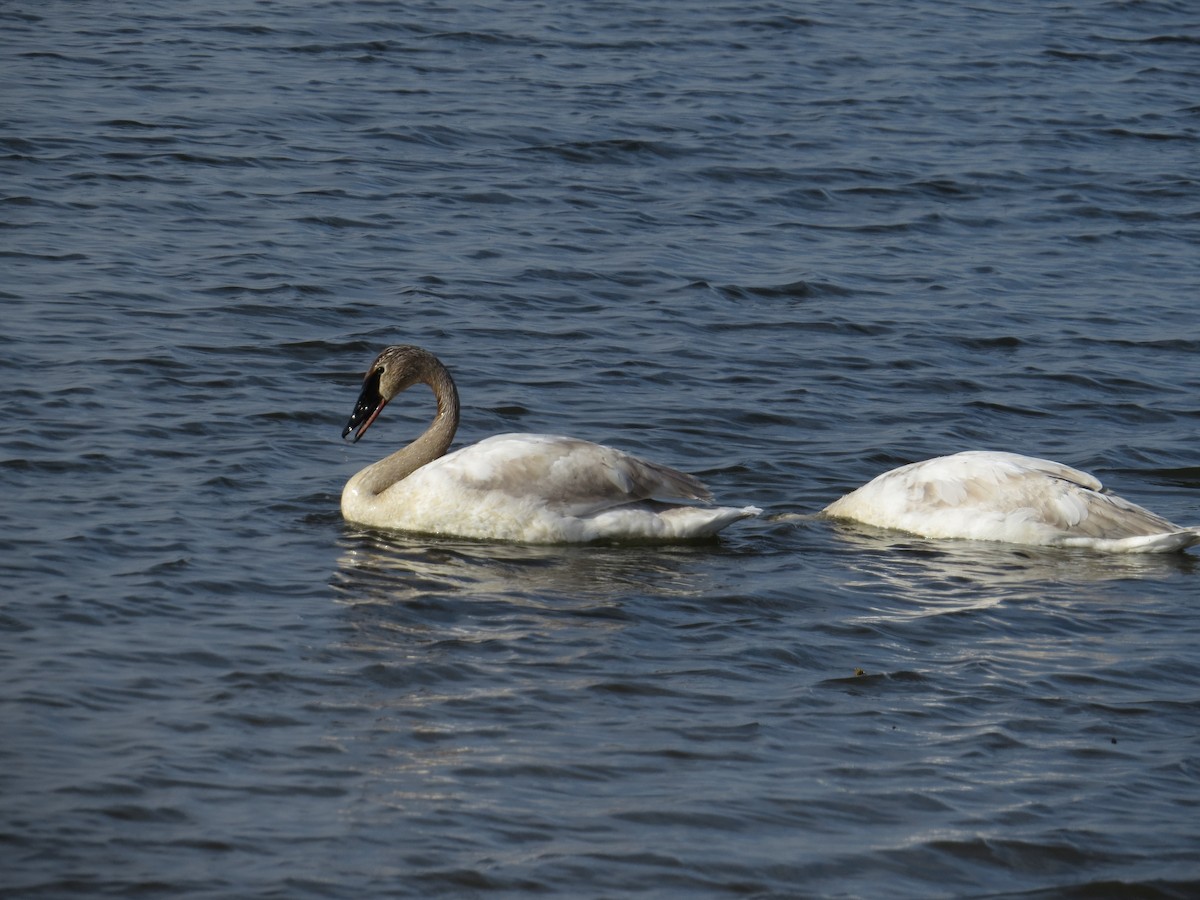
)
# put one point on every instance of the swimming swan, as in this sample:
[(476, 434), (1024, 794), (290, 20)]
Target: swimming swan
[(992, 496), (533, 488)]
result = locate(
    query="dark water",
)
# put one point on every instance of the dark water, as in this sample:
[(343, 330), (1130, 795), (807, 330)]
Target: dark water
[(782, 246)]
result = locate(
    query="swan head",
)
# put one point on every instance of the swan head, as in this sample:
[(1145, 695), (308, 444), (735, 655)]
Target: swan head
[(394, 371)]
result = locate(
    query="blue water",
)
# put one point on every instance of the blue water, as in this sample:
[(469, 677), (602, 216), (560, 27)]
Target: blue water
[(781, 246)]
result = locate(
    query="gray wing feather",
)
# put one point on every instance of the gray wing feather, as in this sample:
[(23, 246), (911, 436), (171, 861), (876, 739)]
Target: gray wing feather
[(571, 475)]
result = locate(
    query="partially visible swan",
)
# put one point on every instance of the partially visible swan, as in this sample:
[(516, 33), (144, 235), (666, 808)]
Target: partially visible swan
[(533, 488), (993, 496)]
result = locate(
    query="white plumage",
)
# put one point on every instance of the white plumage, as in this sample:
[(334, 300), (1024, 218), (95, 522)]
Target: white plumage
[(534, 488), (995, 496)]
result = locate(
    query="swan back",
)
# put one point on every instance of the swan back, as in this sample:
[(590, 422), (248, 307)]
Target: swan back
[(987, 495)]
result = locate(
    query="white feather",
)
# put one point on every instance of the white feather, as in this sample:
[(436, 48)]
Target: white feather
[(994, 496)]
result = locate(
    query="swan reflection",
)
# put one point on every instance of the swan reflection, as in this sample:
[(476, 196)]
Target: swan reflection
[(934, 577), (379, 566), (453, 588)]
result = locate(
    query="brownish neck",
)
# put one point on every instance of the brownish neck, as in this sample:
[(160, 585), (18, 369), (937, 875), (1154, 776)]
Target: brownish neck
[(433, 443)]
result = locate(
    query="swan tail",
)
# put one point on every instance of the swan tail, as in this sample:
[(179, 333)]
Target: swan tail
[(704, 521), (1165, 542), (661, 522)]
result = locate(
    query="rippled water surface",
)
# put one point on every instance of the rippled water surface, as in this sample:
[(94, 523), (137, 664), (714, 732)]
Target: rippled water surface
[(781, 246)]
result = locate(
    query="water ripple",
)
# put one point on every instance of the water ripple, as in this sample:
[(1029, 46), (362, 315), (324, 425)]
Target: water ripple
[(783, 252)]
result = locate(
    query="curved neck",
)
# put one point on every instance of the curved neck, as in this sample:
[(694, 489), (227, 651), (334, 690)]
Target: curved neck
[(378, 477)]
